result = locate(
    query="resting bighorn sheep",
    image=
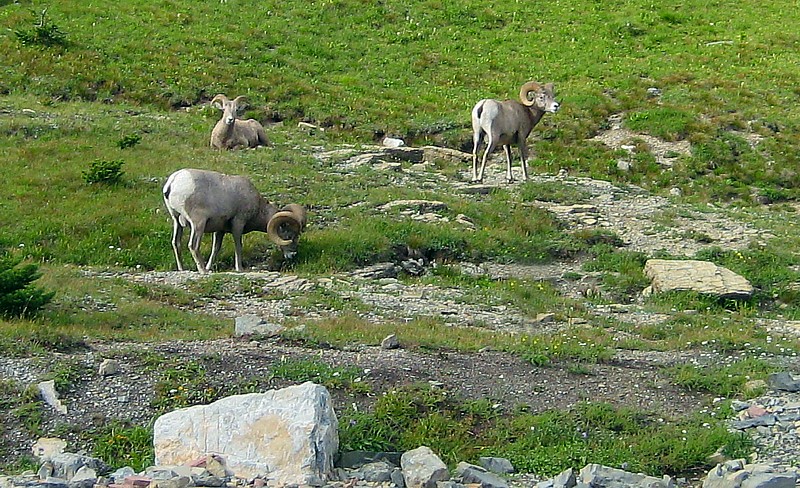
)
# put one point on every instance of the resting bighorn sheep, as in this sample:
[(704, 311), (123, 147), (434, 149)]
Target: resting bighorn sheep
[(509, 122), (210, 202), (233, 133)]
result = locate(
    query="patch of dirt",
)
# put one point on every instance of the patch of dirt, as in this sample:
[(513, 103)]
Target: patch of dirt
[(633, 380), (619, 137)]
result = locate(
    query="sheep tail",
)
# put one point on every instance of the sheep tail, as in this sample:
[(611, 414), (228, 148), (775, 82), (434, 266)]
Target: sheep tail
[(479, 109)]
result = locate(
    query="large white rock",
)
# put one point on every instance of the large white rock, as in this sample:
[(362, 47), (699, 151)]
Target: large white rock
[(289, 435), (698, 276)]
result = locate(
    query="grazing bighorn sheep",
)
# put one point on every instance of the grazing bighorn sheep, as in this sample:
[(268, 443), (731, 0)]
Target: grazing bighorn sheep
[(210, 202), (233, 133), (509, 122)]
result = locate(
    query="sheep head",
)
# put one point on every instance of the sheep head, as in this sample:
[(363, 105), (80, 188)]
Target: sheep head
[(230, 108), (285, 227), (534, 95)]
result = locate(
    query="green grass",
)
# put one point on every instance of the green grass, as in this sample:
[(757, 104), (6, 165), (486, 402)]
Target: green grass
[(545, 443), (101, 101), (331, 377), (726, 381), (119, 445)]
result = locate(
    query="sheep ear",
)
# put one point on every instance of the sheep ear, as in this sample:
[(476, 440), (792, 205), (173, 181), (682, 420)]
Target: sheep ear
[(549, 87)]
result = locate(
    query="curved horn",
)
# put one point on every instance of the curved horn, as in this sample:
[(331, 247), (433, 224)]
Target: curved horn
[(219, 98), (528, 87), (299, 212), (289, 215), (241, 99)]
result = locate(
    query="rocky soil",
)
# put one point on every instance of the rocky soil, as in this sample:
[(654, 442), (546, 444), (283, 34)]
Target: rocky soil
[(631, 378)]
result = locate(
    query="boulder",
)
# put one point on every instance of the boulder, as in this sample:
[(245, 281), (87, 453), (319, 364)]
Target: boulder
[(433, 153), (108, 367), (471, 474), (496, 464), (417, 205), (698, 276), (597, 475), (393, 142), (783, 381), (46, 447), (47, 390), (376, 271), (247, 325), (67, 465), (287, 436), (737, 474), (422, 468), (390, 342)]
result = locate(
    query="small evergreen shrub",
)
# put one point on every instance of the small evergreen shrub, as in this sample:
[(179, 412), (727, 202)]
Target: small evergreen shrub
[(44, 33), (129, 140), (18, 296), (108, 172)]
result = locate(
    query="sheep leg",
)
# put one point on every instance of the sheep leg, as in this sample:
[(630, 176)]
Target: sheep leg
[(490, 145), (476, 144), (262, 137), (215, 247), (177, 235), (523, 152), (194, 244), (509, 175), (236, 230)]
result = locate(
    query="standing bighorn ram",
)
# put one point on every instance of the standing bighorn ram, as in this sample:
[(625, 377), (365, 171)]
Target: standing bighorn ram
[(210, 202), (233, 133), (509, 122)]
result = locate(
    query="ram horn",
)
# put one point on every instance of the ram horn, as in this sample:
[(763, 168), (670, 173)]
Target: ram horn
[(219, 98), (525, 90), (292, 215)]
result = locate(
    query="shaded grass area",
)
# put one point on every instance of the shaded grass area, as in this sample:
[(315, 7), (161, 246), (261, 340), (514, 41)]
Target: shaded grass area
[(542, 443), (107, 309)]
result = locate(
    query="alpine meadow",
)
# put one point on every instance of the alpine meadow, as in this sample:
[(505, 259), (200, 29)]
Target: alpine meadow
[(691, 107)]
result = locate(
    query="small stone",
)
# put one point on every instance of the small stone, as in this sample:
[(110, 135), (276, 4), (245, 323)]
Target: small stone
[(756, 411), (47, 390), (108, 367), (783, 381), (46, 447), (393, 142), (390, 342), (496, 464), (249, 324)]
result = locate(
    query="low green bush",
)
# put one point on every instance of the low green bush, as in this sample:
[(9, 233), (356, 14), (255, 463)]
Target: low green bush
[(101, 171), (19, 297)]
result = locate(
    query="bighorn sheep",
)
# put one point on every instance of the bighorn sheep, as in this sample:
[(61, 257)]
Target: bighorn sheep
[(509, 122), (210, 202), (233, 133)]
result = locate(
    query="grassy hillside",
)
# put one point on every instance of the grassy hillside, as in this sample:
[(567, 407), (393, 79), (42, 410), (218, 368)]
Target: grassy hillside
[(94, 83), (362, 69), (414, 68)]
